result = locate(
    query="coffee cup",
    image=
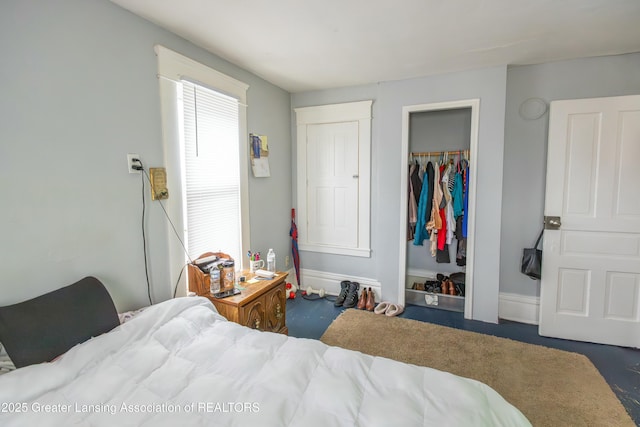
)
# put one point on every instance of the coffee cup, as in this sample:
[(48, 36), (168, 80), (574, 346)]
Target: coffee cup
[(256, 265)]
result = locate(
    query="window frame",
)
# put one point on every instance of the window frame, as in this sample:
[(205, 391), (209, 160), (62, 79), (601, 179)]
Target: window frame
[(172, 69)]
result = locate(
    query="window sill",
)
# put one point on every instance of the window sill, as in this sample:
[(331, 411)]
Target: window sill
[(336, 250)]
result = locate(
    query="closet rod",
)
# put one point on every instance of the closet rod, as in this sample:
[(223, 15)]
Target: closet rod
[(437, 153)]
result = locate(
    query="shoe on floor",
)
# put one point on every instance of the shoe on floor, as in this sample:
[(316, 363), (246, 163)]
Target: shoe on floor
[(388, 308), (371, 300), (344, 289), (394, 310), (381, 308), (362, 302), (351, 299)]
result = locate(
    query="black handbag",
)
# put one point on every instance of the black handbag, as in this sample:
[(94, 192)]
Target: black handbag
[(532, 260)]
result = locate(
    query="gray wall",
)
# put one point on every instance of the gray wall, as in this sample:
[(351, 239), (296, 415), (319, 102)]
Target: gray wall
[(489, 85), (440, 130), (526, 146), (79, 92)]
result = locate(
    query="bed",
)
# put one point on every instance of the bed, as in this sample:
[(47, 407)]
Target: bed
[(180, 363)]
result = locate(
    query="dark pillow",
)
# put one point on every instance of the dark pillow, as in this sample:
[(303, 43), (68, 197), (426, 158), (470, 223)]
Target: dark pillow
[(42, 328)]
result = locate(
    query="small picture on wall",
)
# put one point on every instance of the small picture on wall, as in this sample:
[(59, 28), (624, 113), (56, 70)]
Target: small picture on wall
[(259, 153)]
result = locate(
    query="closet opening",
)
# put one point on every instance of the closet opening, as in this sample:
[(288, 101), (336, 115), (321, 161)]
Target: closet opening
[(439, 144)]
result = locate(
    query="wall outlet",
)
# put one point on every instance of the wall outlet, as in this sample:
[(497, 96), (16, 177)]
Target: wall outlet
[(287, 260), (131, 163)]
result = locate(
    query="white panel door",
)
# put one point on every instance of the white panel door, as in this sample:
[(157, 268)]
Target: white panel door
[(590, 289), (332, 184)]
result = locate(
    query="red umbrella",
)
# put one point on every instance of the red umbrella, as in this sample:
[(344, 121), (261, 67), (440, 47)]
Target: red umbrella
[(294, 246)]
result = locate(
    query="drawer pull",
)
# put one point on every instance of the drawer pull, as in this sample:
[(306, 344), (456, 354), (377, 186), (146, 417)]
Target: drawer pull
[(278, 311)]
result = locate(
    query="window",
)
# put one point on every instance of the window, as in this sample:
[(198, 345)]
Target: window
[(204, 130), (211, 184)]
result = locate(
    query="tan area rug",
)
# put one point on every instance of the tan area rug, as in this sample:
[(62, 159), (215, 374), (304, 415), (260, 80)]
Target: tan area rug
[(550, 387)]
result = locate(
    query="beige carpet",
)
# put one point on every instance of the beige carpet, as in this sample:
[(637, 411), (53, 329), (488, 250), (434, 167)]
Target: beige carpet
[(551, 387)]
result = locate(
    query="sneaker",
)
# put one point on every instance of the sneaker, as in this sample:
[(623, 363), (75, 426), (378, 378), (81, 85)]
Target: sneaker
[(344, 289), (352, 295)]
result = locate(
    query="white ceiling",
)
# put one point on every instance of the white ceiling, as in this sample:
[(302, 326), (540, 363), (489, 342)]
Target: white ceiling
[(303, 45)]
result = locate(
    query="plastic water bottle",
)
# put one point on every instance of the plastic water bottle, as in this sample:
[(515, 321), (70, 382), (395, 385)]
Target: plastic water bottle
[(271, 260)]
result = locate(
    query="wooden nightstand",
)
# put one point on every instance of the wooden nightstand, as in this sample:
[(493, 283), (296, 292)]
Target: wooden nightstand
[(260, 305)]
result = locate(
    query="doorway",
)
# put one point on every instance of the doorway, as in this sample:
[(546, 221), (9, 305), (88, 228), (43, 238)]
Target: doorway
[(407, 111)]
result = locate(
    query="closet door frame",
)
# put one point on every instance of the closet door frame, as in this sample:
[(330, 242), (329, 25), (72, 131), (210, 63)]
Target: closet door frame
[(474, 104)]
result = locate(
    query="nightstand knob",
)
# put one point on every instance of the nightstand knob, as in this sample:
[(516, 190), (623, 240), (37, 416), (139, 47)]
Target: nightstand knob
[(278, 311)]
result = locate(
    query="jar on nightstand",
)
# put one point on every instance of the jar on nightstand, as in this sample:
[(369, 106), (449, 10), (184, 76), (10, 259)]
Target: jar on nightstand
[(228, 277), (215, 280)]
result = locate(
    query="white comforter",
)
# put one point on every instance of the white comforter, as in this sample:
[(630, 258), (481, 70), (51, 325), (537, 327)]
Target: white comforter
[(179, 363)]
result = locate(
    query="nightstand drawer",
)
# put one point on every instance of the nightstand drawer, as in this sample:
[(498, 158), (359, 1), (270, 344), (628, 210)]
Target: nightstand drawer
[(261, 305)]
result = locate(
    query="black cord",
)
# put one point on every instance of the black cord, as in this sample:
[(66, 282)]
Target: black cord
[(175, 288), (168, 218), (144, 241), (314, 297)]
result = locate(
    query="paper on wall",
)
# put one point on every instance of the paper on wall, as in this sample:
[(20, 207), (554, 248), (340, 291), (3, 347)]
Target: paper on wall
[(260, 167)]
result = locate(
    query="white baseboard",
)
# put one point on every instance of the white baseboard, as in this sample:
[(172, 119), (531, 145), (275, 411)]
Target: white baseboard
[(330, 282), (514, 307), (519, 308)]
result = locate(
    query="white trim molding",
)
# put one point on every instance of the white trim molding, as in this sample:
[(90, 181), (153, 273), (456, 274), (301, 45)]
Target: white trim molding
[(172, 69), (519, 308), (359, 112), (330, 282), (474, 104), (176, 67)]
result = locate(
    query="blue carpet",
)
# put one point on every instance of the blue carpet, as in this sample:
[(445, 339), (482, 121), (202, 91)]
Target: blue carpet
[(619, 366)]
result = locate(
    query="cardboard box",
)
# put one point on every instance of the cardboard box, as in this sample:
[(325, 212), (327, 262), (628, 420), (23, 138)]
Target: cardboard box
[(200, 282)]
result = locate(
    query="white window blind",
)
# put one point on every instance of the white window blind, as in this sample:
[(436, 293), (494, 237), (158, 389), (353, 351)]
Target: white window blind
[(211, 172)]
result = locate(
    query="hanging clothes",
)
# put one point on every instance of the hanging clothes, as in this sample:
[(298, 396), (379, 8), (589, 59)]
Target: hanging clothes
[(429, 181), (438, 204), (448, 209), (442, 231), (461, 253), (421, 232), (452, 176), (435, 223), (416, 181), (463, 177), (412, 209), (466, 202), (458, 201)]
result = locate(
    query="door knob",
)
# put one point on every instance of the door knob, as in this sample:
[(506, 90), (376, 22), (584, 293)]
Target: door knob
[(552, 222)]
